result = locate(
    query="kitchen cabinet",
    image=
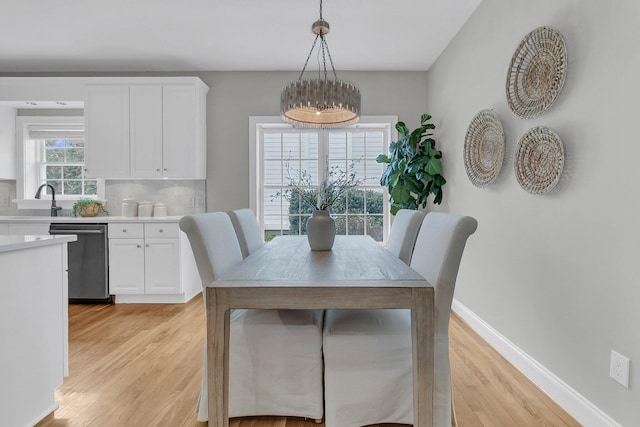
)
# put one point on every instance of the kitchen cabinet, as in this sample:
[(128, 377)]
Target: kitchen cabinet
[(145, 259), (165, 125), (7, 142)]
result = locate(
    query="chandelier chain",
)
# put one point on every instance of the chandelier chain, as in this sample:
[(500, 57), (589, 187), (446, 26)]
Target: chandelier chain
[(308, 56)]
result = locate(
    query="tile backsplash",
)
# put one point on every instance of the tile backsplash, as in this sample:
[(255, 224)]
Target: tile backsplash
[(180, 196)]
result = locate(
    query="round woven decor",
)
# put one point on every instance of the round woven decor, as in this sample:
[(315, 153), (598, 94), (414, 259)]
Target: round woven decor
[(537, 72), (539, 160), (484, 148)]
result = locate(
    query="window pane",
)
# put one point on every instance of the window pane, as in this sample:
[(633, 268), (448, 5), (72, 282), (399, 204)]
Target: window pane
[(355, 202), (375, 142), (374, 202), (337, 145), (54, 155), (271, 146), (53, 172), (272, 201), (75, 143), (291, 146), (355, 147), (57, 185), (273, 172), (374, 227), (75, 155), (73, 187), (341, 224), (90, 188), (72, 172), (374, 171), (355, 225), (54, 143)]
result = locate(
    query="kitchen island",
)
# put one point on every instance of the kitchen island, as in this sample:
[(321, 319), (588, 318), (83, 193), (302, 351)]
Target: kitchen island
[(33, 326)]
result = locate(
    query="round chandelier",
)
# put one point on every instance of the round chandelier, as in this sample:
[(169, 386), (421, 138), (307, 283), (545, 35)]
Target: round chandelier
[(321, 102)]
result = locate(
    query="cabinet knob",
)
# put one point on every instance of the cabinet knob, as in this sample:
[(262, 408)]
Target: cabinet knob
[(138, 246), (124, 230), (165, 169), (147, 245), (158, 170), (161, 230)]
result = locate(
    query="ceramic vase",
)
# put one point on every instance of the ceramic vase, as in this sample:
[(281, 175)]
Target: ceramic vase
[(321, 231)]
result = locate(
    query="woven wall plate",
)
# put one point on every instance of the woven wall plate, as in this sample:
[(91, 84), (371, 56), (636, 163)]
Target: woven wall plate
[(537, 72), (484, 148), (539, 160)]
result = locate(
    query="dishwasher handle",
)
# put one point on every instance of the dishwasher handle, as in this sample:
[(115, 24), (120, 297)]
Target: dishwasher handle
[(76, 231)]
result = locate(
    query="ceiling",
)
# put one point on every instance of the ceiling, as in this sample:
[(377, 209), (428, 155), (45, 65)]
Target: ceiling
[(207, 35)]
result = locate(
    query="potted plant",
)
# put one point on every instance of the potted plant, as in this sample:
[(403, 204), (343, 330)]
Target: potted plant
[(321, 228), (413, 167), (88, 208)]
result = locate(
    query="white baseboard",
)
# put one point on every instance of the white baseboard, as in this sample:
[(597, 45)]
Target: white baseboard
[(585, 412)]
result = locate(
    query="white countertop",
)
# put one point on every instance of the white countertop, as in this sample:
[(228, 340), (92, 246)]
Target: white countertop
[(13, 243), (95, 219)]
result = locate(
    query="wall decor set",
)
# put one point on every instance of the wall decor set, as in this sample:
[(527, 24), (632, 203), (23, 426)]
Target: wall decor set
[(534, 80)]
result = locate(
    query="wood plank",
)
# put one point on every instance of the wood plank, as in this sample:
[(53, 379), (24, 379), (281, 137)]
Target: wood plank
[(139, 365)]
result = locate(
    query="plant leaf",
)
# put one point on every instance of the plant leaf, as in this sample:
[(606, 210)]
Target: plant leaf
[(434, 166), (383, 158)]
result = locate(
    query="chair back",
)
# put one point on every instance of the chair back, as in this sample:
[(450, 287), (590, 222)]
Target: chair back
[(404, 231), (247, 229), (436, 257), (213, 242)]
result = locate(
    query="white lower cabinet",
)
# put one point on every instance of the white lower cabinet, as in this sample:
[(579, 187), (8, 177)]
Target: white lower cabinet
[(147, 263)]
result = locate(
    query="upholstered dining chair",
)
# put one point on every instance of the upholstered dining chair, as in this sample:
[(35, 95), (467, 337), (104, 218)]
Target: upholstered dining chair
[(403, 233), (247, 229), (275, 356), (367, 353)]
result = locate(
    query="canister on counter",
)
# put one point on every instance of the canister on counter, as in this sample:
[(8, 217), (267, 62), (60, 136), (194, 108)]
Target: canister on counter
[(145, 208), (160, 210)]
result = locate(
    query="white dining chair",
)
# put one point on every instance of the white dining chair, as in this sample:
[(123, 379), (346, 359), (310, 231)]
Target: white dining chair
[(247, 229), (403, 233), (275, 356), (367, 353)]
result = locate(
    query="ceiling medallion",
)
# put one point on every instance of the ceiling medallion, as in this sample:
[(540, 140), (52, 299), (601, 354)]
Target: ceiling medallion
[(321, 102)]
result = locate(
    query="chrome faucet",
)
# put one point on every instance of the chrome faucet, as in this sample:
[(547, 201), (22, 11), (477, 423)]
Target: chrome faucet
[(54, 207)]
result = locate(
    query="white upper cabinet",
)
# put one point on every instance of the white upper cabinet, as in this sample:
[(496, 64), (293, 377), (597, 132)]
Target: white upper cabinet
[(165, 125), (106, 122), (7, 143)]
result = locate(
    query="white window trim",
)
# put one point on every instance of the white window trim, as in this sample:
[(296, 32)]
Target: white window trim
[(27, 200), (258, 124)]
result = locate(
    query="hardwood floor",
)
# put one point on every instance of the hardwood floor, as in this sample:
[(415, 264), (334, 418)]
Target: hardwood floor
[(139, 365)]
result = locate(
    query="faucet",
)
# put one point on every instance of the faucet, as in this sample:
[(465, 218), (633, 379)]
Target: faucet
[(54, 207)]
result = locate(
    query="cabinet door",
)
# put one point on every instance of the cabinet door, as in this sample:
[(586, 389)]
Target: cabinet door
[(162, 266), (126, 266), (179, 143), (146, 131), (106, 118)]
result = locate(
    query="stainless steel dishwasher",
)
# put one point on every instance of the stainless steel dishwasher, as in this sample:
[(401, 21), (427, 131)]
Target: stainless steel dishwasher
[(88, 262)]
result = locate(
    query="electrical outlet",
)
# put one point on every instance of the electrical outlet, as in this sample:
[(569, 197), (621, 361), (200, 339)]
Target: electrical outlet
[(619, 368), (198, 202), (4, 199)]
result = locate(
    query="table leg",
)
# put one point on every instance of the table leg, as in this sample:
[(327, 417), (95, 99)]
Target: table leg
[(218, 318), (422, 334)]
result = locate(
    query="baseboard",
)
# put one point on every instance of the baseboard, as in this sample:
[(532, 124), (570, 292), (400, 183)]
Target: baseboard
[(150, 299), (585, 412)]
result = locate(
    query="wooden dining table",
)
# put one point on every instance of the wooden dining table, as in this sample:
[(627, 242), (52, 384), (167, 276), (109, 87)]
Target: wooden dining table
[(286, 274)]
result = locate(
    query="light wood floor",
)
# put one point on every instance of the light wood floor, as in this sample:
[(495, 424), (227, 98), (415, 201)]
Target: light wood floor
[(139, 365)]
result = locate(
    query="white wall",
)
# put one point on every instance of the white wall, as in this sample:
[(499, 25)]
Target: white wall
[(555, 274)]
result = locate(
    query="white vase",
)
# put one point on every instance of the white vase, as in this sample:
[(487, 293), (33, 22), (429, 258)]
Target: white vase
[(321, 231)]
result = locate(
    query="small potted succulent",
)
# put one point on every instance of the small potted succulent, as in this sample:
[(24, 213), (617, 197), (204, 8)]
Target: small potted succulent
[(88, 208)]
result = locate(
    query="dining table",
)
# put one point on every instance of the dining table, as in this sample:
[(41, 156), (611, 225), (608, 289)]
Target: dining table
[(357, 273)]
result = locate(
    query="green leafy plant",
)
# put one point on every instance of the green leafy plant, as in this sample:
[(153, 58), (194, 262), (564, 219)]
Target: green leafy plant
[(82, 205), (414, 167)]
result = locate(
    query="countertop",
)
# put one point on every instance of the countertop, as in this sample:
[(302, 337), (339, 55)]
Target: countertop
[(95, 219), (13, 243)]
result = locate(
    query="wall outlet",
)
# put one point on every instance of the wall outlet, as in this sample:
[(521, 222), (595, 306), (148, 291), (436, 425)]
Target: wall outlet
[(4, 199), (198, 202), (619, 368)]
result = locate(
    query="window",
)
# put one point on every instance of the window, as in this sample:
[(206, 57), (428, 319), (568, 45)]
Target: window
[(51, 151), (280, 152), (62, 167)]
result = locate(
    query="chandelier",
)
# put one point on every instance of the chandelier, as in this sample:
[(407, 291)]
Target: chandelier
[(321, 102)]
